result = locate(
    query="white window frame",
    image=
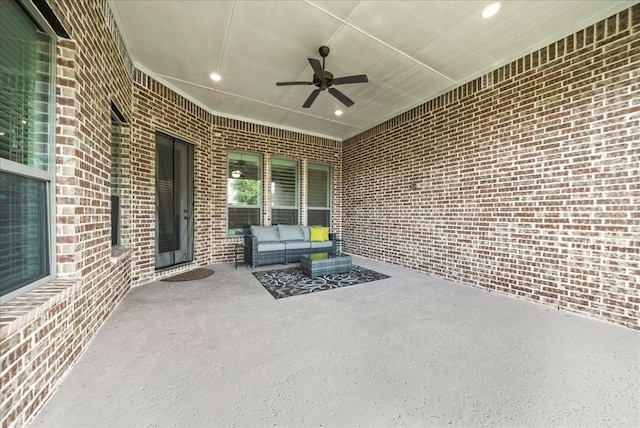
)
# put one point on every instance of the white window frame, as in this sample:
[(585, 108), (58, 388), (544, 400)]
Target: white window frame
[(260, 195), (329, 206)]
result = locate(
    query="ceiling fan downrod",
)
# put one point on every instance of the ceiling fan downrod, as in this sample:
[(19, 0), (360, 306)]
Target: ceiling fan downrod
[(324, 52)]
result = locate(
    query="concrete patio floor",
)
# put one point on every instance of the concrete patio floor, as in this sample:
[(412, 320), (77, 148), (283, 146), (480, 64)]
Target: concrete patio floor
[(410, 350)]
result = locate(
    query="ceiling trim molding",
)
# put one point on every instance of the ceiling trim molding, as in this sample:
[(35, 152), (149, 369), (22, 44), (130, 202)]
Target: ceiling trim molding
[(142, 69), (360, 129)]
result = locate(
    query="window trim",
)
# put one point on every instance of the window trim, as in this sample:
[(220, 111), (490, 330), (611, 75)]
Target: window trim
[(117, 118), (297, 188), (329, 208), (261, 179)]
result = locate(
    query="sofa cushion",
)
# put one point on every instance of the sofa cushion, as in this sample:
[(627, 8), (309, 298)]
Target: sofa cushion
[(318, 233), (321, 244), (305, 232), (265, 233), (296, 245), (270, 246), (290, 232)]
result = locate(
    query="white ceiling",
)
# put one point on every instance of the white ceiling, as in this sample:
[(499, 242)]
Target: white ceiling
[(411, 51)]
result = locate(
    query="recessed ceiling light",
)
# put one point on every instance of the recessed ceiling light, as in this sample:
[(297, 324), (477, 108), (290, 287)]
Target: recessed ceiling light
[(490, 10), (338, 112), (215, 77)]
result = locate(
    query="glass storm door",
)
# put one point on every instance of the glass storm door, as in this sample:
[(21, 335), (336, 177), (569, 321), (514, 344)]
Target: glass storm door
[(174, 201)]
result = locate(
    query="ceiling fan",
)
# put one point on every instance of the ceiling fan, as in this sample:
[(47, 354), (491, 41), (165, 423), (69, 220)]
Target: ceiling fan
[(324, 79)]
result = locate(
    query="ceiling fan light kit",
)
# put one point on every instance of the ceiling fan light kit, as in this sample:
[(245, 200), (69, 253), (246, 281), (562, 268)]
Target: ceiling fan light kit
[(324, 80)]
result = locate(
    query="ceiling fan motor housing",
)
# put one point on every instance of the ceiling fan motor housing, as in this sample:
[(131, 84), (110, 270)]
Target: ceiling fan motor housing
[(328, 80)]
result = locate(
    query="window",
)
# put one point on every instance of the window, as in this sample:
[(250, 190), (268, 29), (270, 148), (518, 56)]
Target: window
[(284, 191), (25, 151), (117, 142), (244, 193), (319, 195)]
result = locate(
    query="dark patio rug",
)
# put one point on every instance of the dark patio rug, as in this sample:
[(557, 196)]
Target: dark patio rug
[(292, 282)]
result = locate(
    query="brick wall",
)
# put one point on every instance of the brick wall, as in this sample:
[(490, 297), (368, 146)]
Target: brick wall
[(45, 330), (526, 181), (158, 108)]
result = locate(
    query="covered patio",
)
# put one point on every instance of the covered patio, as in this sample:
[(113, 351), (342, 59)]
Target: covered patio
[(409, 350), (504, 209)]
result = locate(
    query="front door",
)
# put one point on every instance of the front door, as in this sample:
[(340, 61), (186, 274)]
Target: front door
[(174, 201)]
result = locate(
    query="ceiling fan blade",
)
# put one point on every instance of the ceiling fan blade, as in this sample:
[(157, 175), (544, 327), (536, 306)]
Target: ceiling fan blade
[(293, 83), (317, 67), (311, 98), (360, 78), (340, 96)]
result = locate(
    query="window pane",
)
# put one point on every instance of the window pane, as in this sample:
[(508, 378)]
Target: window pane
[(116, 150), (284, 183), (243, 192), (319, 217), (24, 255), (284, 191), (25, 70), (115, 220), (284, 216), (24, 94), (240, 219), (318, 179), (167, 217), (243, 165), (319, 195)]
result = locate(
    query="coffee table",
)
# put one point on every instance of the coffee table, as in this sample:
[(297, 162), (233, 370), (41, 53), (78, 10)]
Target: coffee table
[(324, 264)]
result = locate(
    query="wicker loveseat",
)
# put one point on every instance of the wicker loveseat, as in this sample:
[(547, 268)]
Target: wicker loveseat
[(266, 245)]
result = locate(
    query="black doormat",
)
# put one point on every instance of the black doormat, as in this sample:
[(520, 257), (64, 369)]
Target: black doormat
[(190, 276), (292, 282)]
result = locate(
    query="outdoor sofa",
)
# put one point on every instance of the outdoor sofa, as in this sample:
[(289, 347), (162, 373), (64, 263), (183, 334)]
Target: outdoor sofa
[(285, 243)]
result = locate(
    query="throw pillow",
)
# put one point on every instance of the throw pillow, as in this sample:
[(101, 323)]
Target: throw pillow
[(318, 234)]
